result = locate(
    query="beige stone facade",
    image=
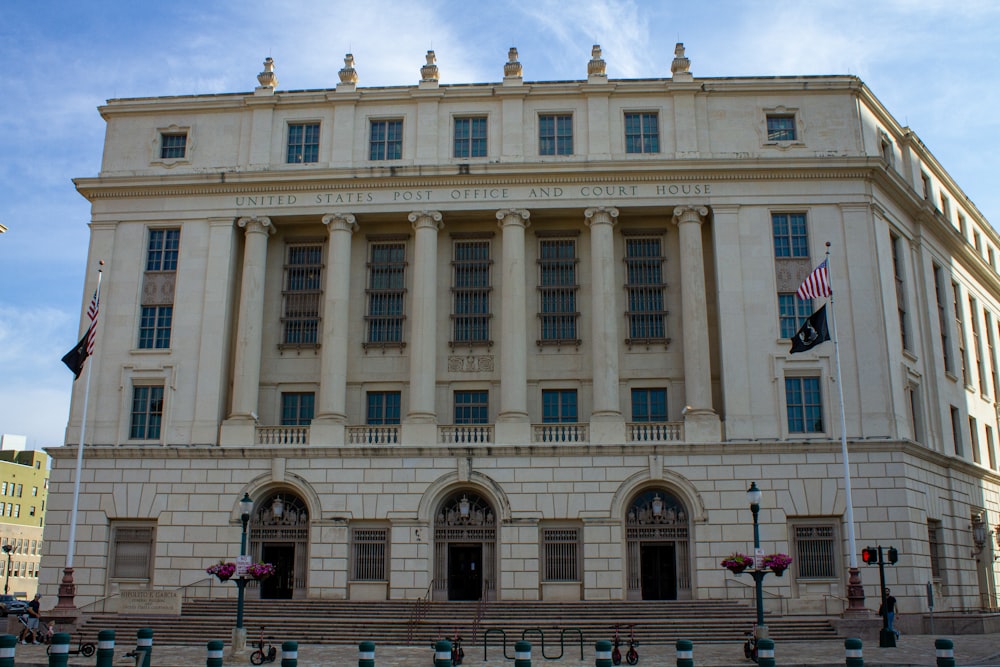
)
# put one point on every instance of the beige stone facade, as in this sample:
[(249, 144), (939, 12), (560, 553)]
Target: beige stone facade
[(530, 340)]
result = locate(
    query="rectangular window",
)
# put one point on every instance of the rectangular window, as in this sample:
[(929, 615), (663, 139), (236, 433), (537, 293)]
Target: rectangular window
[(645, 290), (369, 548), (790, 239), (561, 554), (471, 292), (934, 534), (925, 182), (804, 405), (161, 254), (945, 206), (173, 145), (386, 141), (559, 406), (297, 408), (557, 288), (131, 551), (642, 132), (887, 150), (991, 447), (916, 415), (472, 407), (470, 137), (649, 405), (386, 289), (154, 327), (17, 510), (815, 552), (31, 511), (147, 412), (781, 127), (897, 268), (302, 294), (974, 439), (555, 134), (941, 297), (303, 143), (792, 313), (992, 345), (383, 408), (956, 303), (977, 345), (20, 490), (956, 431)]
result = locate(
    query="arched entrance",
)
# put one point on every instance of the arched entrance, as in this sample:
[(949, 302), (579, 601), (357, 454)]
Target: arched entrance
[(465, 538), (658, 551), (279, 534)]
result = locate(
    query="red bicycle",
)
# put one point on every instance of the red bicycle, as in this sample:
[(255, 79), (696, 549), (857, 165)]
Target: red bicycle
[(632, 655)]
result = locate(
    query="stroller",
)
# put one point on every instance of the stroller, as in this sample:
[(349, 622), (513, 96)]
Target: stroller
[(43, 633)]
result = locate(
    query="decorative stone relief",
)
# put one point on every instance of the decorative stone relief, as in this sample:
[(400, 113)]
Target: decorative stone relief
[(158, 288), (470, 364), (789, 273)]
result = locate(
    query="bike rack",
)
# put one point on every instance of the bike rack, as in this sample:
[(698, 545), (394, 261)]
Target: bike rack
[(541, 637)]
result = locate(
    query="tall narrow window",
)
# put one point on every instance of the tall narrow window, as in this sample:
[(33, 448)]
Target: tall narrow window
[(897, 269), (472, 407), (557, 287), (386, 289), (131, 550), (790, 238), (804, 405), (815, 551), (386, 140), (974, 440), (991, 339), (945, 206), (303, 143), (934, 546), (956, 431), (383, 408), (916, 414), (555, 134), (560, 554), (941, 296), (649, 405), (161, 254), (559, 406), (792, 313), (302, 294), (977, 345), (781, 127), (470, 137), (147, 412), (471, 292), (645, 289), (991, 447), (369, 554), (297, 408), (963, 354), (642, 132), (925, 182)]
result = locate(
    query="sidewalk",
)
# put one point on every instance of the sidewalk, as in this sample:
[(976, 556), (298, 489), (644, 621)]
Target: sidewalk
[(915, 650)]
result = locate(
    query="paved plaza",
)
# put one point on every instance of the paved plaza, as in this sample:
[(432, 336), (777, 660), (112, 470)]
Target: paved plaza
[(970, 650)]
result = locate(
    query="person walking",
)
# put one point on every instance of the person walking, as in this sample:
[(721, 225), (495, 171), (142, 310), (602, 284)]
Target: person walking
[(888, 610), (31, 622)]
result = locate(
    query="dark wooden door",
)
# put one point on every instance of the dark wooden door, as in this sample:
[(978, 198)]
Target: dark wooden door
[(465, 571), (659, 572)]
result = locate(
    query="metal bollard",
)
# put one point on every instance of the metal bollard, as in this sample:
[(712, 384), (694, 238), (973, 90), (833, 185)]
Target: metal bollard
[(685, 653), (144, 643), (765, 652), (8, 645), (852, 653), (59, 649), (214, 657), (944, 649), (603, 651), (442, 653), (105, 648), (522, 654), (289, 654), (366, 654)]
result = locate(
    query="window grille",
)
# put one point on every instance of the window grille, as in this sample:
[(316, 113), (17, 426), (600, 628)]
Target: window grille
[(781, 128), (386, 288), (934, 546), (814, 547), (302, 294), (646, 290), (471, 292), (557, 291), (132, 549), (369, 551), (561, 549), (173, 146)]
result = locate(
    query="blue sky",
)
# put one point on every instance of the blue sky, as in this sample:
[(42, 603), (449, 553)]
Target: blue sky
[(933, 63)]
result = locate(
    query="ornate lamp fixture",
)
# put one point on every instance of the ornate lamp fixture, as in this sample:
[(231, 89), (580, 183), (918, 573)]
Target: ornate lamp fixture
[(277, 508), (979, 533), (463, 506)]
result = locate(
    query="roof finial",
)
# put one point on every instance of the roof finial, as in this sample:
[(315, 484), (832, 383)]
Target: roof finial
[(596, 68), (348, 75), (681, 66), (429, 72), (267, 78), (513, 67)]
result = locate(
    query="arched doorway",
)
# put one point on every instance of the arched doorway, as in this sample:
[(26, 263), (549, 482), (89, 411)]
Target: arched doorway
[(465, 548), (658, 551), (279, 534)]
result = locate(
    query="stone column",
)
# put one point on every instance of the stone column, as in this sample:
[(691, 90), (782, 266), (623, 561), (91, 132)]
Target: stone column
[(607, 423), (423, 331), (238, 429), (513, 426), (701, 423), (331, 414)]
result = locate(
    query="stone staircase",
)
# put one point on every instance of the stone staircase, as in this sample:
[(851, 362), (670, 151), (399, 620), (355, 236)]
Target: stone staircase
[(409, 623)]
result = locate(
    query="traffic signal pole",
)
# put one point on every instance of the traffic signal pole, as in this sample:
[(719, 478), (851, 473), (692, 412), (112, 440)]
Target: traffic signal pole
[(873, 556)]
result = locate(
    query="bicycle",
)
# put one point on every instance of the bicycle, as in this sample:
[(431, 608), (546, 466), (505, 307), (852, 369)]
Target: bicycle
[(266, 651), (750, 645), (457, 652), (616, 651), (632, 655)]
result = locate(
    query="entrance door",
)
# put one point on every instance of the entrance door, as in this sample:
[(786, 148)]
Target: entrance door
[(465, 571), (281, 585), (659, 572)]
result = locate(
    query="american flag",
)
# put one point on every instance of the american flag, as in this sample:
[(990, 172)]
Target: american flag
[(75, 358), (816, 284), (92, 311)]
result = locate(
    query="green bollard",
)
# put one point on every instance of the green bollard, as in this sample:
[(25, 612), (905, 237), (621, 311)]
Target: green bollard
[(366, 654), (944, 649), (144, 643), (215, 648), (105, 648), (602, 650), (522, 654), (442, 653), (852, 652), (765, 652), (8, 644), (685, 653), (289, 654), (59, 649)]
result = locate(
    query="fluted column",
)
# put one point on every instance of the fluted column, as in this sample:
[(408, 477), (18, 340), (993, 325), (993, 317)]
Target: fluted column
[(701, 423), (249, 327), (331, 413), (604, 323), (423, 332), (512, 422)]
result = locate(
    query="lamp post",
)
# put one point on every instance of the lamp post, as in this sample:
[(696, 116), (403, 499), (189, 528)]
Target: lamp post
[(240, 633), (753, 497), (7, 549)]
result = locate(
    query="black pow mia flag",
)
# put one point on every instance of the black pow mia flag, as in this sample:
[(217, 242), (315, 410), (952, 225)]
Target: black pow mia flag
[(812, 332)]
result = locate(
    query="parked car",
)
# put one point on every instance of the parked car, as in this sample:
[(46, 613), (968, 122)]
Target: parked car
[(12, 605)]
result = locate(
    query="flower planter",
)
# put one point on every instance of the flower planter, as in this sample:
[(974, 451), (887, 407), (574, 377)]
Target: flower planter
[(737, 570), (778, 571)]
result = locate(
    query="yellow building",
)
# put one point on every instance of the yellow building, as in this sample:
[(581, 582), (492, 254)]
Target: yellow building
[(24, 488)]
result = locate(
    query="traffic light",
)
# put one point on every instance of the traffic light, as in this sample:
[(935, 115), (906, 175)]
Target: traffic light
[(870, 555), (893, 555)]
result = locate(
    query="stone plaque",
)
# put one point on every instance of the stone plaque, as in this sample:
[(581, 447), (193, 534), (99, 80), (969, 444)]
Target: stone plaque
[(149, 601)]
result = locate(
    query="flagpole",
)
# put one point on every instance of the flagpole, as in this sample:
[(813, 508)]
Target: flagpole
[(855, 589), (67, 588)]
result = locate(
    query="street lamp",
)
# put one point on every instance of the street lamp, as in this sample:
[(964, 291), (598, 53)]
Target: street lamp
[(240, 634), (753, 497), (7, 549)]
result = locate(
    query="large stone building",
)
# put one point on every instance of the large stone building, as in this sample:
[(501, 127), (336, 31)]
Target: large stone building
[(24, 491), (530, 340)]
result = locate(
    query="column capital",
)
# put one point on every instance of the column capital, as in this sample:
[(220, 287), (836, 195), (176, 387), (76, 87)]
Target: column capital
[(426, 219), (598, 215), (690, 214), (341, 222), (513, 216), (256, 224)]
